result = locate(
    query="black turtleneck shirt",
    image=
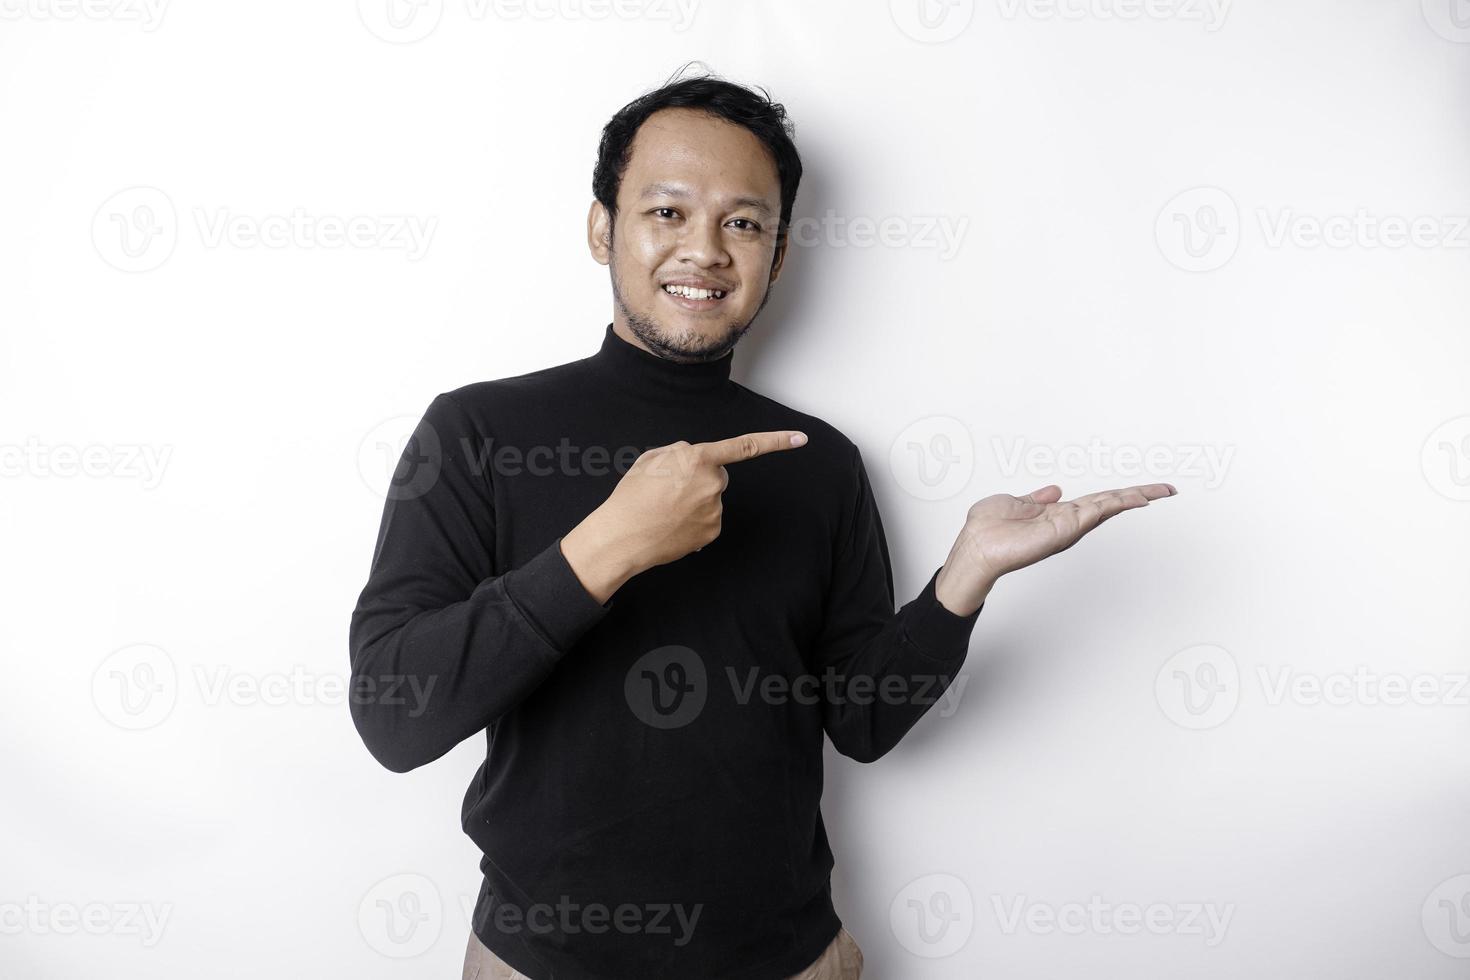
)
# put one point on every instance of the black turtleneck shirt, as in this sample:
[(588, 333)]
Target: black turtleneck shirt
[(648, 806)]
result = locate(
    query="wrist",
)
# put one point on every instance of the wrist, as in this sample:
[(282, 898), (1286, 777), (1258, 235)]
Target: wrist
[(600, 560), (962, 592)]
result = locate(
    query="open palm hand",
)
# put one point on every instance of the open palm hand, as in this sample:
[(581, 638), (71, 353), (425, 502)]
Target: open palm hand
[(1003, 533)]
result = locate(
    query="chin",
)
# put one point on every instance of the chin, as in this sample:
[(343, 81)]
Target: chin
[(696, 338)]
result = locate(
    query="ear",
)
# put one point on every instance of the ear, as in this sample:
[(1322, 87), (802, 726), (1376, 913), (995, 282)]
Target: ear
[(599, 233)]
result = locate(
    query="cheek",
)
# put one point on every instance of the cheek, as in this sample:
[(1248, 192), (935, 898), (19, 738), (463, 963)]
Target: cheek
[(755, 274), (753, 294), (636, 267), (649, 249)]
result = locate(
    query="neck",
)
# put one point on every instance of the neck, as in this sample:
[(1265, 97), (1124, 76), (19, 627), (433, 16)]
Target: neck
[(625, 361)]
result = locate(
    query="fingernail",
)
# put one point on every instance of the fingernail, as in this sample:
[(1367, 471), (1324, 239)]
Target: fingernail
[(798, 439)]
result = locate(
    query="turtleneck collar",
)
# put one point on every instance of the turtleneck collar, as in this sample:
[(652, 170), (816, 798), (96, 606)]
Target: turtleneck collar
[(653, 376)]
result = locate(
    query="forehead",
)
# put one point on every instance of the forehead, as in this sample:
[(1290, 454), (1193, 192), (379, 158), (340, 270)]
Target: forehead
[(703, 152)]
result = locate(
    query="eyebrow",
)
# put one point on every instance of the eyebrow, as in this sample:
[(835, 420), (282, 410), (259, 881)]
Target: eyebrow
[(676, 190)]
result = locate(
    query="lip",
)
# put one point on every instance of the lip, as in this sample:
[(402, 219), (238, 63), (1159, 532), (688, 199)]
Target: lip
[(696, 283)]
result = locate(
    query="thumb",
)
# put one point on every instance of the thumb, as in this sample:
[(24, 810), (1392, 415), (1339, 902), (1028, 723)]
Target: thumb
[(1048, 494)]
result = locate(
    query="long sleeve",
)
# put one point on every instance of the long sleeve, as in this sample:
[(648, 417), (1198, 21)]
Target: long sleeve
[(441, 646), (879, 671)]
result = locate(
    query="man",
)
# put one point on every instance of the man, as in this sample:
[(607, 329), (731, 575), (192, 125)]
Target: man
[(656, 629)]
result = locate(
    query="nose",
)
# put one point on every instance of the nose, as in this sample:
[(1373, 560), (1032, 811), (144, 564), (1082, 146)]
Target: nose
[(702, 245)]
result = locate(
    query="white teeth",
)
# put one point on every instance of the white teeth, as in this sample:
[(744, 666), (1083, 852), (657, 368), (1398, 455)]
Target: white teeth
[(689, 292)]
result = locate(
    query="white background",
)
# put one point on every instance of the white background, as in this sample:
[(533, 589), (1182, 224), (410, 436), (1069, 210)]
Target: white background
[(1134, 269)]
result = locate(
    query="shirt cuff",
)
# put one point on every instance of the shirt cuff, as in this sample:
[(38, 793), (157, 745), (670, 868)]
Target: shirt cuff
[(935, 630), (549, 594)]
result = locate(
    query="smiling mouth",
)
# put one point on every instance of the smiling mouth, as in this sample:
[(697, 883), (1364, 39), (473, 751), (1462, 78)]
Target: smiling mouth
[(694, 294), (692, 300)]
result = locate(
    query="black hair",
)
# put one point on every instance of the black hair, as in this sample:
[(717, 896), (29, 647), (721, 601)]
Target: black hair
[(708, 93)]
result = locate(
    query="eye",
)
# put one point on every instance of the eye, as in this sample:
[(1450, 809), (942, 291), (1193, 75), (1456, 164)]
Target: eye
[(752, 225), (658, 210)]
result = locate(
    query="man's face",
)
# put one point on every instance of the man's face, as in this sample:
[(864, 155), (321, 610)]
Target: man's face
[(699, 205)]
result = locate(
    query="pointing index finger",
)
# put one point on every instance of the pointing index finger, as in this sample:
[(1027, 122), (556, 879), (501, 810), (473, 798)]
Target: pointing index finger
[(750, 445)]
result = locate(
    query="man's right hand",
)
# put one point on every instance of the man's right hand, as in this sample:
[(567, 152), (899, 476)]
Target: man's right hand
[(666, 506)]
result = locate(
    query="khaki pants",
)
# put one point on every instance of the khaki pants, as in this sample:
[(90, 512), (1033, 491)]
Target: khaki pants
[(841, 960)]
